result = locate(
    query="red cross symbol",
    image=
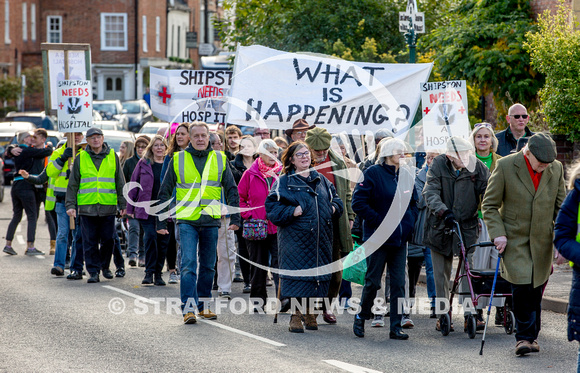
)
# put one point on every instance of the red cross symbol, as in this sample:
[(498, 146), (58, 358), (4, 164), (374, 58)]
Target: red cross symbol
[(164, 95), (87, 104), (462, 110), (426, 110), (60, 106)]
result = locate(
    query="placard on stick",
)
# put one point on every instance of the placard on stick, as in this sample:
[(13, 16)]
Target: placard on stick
[(75, 105)]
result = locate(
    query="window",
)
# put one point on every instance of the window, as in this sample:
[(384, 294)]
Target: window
[(144, 27), (54, 29), (6, 22), (33, 22), (157, 34), (178, 41), (24, 23), (114, 31)]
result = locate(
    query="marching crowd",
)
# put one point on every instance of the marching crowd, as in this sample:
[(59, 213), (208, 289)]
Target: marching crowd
[(194, 200)]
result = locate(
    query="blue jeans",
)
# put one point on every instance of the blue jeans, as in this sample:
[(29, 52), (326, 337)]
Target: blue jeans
[(194, 286), (61, 235), (431, 292), (133, 239), (77, 256)]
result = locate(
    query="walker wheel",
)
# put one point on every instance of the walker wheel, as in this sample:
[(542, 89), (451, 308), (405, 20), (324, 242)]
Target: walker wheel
[(510, 322), (445, 324), (471, 326)]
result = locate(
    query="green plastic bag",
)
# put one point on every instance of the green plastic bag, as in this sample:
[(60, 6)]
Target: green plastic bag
[(355, 272)]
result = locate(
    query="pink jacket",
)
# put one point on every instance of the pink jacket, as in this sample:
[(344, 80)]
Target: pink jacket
[(253, 190)]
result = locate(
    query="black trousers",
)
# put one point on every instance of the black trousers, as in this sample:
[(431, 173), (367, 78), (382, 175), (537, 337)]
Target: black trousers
[(155, 246), (171, 246), (97, 229), (260, 252), (527, 307), (414, 264), (23, 199)]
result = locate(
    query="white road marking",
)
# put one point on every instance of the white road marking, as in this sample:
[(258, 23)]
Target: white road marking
[(20, 239), (142, 299), (213, 323), (350, 367), (39, 256), (241, 332)]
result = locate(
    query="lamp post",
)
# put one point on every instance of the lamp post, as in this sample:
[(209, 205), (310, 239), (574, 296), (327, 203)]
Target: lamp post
[(411, 23)]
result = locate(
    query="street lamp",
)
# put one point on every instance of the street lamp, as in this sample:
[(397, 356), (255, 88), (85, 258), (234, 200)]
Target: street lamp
[(414, 26)]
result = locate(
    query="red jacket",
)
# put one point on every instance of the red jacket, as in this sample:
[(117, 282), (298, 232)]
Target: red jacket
[(253, 190)]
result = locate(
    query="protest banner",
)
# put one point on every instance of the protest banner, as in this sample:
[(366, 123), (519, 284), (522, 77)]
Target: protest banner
[(273, 89), (75, 105), (189, 95), (444, 113)]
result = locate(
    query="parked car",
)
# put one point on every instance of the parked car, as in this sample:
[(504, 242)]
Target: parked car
[(151, 128), (8, 167), (39, 118), (115, 138), (139, 113), (110, 125), (9, 129), (112, 110)]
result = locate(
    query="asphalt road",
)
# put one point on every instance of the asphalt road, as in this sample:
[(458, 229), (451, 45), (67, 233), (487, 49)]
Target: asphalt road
[(50, 324)]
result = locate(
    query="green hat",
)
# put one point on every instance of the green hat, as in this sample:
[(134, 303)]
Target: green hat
[(318, 138), (543, 147)]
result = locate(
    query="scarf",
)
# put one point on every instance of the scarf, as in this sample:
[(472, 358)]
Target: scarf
[(269, 171)]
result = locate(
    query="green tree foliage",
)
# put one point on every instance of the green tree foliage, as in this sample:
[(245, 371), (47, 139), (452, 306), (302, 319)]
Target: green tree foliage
[(9, 88), (34, 80), (482, 42), (555, 52), (355, 30)]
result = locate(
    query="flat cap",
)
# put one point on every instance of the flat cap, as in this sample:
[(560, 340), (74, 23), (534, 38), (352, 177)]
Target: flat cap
[(318, 138), (93, 131), (543, 147)]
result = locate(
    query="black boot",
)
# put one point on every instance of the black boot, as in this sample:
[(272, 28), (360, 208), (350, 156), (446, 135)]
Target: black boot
[(359, 327), (148, 280), (159, 280)]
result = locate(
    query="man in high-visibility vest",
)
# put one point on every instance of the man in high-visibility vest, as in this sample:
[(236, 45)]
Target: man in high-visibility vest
[(56, 170), (197, 175), (96, 187)]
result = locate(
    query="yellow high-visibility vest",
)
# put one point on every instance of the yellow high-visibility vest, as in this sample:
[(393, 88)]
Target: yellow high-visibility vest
[(198, 194), (97, 186)]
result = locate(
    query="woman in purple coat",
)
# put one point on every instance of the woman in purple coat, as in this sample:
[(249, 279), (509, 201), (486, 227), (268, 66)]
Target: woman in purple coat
[(148, 174)]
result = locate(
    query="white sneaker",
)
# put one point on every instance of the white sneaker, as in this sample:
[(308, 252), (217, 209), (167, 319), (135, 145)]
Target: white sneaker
[(407, 323), (378, 321), (173, 278)]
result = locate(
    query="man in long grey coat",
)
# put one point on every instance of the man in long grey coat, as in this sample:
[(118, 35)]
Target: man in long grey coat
[(520, 205)]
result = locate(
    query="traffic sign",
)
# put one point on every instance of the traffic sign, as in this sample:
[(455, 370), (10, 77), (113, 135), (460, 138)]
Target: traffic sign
[(191, 39), (206, 49), (418, 22)]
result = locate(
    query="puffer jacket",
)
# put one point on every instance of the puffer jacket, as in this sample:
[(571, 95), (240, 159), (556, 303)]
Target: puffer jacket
[(142, 174), (304, 241), (565, 241), (445, 190)]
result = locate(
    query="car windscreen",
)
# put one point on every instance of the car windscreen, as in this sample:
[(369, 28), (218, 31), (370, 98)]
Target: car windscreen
[(106, 108), (115, 142), (36, 120), (132, 107)]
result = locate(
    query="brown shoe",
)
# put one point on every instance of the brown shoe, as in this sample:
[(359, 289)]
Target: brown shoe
[(310, 322), (329, 317), (534, 346), (52, 247), (296, 324), (523, 347)]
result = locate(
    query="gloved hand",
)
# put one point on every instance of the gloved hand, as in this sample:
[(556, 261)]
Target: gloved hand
[(449, 219), (66, 154), (67, 174)]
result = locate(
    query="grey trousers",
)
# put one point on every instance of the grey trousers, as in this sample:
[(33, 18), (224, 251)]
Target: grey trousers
[(442, 266)]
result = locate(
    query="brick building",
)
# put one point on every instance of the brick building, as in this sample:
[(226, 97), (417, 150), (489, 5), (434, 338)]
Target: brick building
[(126, 38)]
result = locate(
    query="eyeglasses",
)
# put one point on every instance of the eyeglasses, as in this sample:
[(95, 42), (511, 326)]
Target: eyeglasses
[(141, 147), (517, 116), (299, 133), (483, 124), (302, 155)]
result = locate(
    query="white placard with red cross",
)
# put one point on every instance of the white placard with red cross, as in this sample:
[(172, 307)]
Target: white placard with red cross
[(75, 105), (444, 113)]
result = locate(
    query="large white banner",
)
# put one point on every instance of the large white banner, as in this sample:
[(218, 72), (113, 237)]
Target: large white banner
[(444, 113), (189, 95), (273, 89)]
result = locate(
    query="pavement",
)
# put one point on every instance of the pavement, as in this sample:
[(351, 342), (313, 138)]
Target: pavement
[(557, 291)]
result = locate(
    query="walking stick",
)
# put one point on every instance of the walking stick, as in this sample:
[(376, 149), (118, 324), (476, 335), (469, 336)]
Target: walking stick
[(490, 300), (278, 296)]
